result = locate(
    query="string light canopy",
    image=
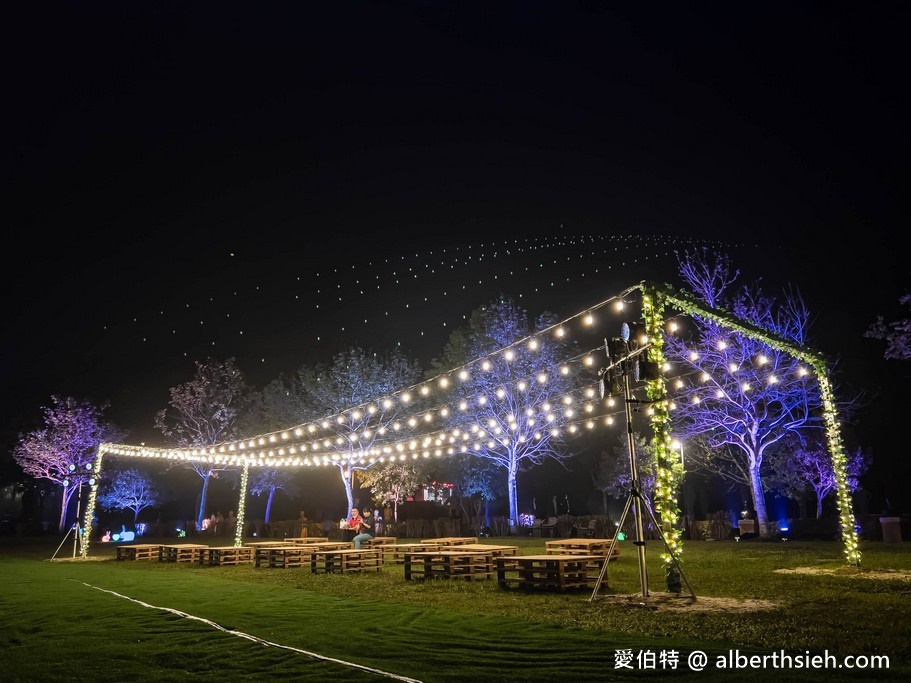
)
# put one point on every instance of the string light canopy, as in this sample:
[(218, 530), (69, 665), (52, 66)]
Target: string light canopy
[(426, 421)]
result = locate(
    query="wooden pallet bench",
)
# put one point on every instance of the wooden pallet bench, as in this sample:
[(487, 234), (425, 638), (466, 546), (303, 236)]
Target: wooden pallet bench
[(283, 557), (558, 571), (227, 555), (182, 552), (452, 540), (345, 561), (399, 550), (582, 546), (143, 551), (449, 563), (307, 540), (384, 544)]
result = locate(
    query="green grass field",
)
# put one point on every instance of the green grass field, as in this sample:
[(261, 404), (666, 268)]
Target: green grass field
[(104, 620)]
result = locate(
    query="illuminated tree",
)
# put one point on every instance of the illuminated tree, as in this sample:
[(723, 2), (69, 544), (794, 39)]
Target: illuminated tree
[(613, 476), (395, 480), (739, 394), (897, 334), (268, 481), (204, 411), (63, 450), (798, 468), (475, 483), (346, 400), (510, 406), (129, 490)]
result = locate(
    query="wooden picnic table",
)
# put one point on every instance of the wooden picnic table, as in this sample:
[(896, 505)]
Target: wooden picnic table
[(557, 571), (449, 563)]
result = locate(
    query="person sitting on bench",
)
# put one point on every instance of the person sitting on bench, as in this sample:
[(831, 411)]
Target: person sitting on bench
[(366, 528)]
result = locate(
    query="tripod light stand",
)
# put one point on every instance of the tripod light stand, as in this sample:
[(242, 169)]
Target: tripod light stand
[(624, 363), (76, 529)]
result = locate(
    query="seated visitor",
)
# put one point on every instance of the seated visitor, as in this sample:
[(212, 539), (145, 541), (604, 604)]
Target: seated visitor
[(366, 529)]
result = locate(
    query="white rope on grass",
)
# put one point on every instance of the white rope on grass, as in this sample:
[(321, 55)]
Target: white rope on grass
[(255, 639)]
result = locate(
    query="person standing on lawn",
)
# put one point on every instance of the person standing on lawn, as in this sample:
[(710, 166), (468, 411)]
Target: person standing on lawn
[(366, 529)]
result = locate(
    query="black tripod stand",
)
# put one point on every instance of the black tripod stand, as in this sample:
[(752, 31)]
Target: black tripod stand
[(76, 529), (636, 500)]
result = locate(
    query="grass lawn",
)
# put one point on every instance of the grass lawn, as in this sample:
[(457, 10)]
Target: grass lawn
[(104, 620)]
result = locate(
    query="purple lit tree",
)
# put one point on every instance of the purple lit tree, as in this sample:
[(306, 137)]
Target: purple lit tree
[(798, 468), (740, 396), (63, 450), (130, 489), (269, 481), (515, 416), (204, 411), (896, 334), (346, 400)]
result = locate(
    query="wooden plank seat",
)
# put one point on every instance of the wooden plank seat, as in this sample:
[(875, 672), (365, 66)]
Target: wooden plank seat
[(399, 550), (557, 571), (582, 546), (182, 552), (227, 555), (345, 561), (142, 551), (449, 563)]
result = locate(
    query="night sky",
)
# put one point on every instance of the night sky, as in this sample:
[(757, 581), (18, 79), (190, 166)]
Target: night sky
[(276, 181)]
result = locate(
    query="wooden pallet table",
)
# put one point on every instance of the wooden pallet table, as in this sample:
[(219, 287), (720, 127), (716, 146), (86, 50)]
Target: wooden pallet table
[(345, 561), (452, 540), (494, 550), (227, 555), (449, 563), (142, 551), (399, 550), (182, 552), (582, 546), (557, 571)]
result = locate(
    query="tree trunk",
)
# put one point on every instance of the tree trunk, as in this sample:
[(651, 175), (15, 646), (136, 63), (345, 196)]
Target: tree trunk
[(513, 502), (202, 501), (762, 519), (64, 506), (269, 505)]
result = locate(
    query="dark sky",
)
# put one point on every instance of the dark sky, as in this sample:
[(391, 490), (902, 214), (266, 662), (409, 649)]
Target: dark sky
[(235, 179)]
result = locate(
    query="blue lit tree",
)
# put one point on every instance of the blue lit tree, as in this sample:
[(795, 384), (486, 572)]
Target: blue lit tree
[(475, 482), (346, 400), (739, 396), (268, 481), (63, 450), (204, 411), (511, 406), (130, 489)]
